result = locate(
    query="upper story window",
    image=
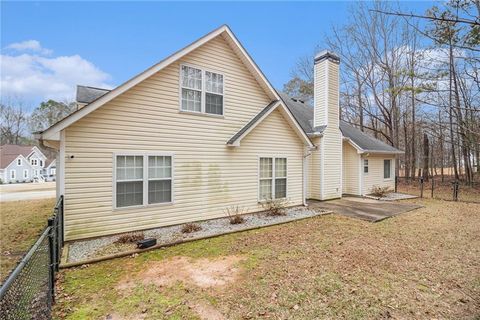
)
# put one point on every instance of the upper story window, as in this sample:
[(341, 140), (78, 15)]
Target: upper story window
[(34, 162), (202, 91), (41, 163), (19, 162)]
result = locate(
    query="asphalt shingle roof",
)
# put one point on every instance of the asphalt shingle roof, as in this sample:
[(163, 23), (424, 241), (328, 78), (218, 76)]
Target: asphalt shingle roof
[(303, 112), (8, 153), (87, 94)]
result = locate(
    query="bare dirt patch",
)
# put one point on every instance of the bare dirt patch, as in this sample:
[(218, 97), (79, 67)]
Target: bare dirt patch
[(203, 273), (206, 312)]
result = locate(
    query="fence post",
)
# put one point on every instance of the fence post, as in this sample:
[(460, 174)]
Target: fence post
[(433, 183), (396, 183), (421, 187), (455, 190), (52, 255)]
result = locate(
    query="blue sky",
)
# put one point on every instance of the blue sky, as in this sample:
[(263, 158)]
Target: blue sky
[(106, 43)]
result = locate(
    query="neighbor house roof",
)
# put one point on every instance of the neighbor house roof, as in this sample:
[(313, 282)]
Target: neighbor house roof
[(99, 97), (303, 112), (9, 152)]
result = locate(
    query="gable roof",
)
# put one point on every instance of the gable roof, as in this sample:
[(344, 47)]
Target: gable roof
[(235, 140), (10, 152), (303, 112), (53, 133)]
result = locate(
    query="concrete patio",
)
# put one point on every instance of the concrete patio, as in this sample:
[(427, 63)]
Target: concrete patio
[(364, 208)]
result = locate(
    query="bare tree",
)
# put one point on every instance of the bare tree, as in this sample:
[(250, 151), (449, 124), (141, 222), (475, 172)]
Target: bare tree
[(13, 121)]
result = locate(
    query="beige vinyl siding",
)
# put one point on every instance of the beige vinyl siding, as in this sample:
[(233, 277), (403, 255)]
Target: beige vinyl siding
[(314, 167), (351, 169), (208, 175), (375, 173), (332, 166), (320, 97)]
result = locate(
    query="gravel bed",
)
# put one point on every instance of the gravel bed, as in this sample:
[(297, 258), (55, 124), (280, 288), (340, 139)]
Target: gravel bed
[(87, 249), (392, 196)]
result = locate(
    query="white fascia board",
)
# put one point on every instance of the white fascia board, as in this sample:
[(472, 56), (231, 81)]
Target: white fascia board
[(353, 144), (383, 152), (53, 133)]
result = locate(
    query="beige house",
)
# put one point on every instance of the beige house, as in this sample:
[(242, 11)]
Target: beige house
[(201, 131)]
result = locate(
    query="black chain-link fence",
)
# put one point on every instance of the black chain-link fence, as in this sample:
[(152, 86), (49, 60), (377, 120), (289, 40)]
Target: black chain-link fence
[(28, 292), (438, 188)]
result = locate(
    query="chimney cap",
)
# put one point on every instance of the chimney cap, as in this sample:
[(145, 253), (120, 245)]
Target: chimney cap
[(325, 54)]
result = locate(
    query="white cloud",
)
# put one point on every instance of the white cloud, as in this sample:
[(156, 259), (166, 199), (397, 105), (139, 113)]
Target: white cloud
[(29, 45), (38, 77)]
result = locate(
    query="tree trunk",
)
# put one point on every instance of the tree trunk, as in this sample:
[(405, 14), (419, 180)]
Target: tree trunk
[(450, 115), (426, 151)]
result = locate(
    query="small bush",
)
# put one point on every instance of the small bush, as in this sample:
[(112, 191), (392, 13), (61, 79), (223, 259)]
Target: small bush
[(275, 207), (190, 227), (235, 214), (131, 237), (378, 191)]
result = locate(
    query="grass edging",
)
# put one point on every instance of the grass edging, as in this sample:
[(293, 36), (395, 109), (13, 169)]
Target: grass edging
[(165, 245)]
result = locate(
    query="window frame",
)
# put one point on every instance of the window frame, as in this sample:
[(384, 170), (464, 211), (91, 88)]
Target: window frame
[(145, 179), (389, 171), (273, 178), (19, 161), (34, 160), (203, 101), (25, 176), (14, 176), (366, 165)]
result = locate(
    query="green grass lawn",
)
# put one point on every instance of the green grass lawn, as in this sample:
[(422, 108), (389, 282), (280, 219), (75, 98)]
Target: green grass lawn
[(21, 222), (420, 265)]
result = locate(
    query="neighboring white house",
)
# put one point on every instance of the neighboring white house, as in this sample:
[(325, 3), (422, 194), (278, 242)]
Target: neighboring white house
[(25, 164), (201, 131)]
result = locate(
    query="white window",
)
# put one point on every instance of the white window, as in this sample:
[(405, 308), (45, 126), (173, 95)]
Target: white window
[(365, 166), (35, 172), (41, 163), (159, 179), (213, 93), (387, 167), (202, 91), (13, 174), (143, 179), (272, 178), (25, 173), (52, 171), (19, 162), (34, 162)]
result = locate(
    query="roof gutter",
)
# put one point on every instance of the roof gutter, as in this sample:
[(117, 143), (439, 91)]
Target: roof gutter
[(315, 134)]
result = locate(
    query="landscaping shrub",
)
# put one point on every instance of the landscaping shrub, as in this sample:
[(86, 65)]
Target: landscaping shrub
[(378, 191), (131, 237), (190, 227), (235, 214), (275, 207)]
